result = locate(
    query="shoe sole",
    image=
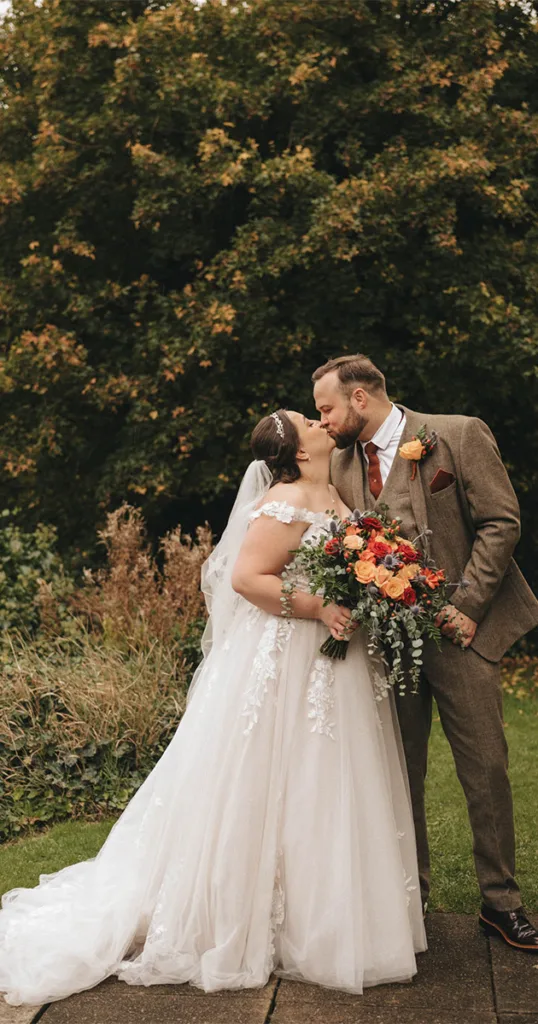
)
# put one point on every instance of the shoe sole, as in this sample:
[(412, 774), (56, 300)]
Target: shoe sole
[(493, 929)]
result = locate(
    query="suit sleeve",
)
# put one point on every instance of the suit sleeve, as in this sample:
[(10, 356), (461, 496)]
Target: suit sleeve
[(494, 511)]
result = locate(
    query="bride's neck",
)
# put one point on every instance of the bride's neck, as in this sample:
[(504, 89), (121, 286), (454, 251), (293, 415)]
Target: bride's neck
[(315, 477)]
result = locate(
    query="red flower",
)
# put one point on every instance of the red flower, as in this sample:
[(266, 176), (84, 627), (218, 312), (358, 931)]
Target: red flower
[(410, 596), (371, 523), (407, 552), (380, 548), (332, 547)]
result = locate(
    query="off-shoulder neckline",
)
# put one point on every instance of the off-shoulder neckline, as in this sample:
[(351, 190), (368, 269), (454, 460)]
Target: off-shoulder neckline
[(300, 513)]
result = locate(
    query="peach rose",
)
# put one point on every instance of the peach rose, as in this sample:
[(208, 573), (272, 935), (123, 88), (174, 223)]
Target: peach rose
[(367, 556), (394, 588), (364, 571), (353, 543), (382, 576), (413, 450), (408, 572)]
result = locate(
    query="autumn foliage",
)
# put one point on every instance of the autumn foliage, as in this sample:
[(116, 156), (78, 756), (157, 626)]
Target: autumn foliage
[(199, 203)]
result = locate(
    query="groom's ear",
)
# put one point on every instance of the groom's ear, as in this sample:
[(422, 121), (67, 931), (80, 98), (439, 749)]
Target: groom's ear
[(360, 396)]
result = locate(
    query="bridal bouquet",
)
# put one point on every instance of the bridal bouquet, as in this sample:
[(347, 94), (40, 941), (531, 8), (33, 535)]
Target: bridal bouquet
[(385, 581)]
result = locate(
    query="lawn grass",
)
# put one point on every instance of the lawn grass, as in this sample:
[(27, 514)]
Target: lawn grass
[(22, 862), (453, 880)]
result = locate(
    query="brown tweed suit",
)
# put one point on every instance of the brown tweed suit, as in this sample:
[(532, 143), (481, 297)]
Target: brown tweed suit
[(475, 527)]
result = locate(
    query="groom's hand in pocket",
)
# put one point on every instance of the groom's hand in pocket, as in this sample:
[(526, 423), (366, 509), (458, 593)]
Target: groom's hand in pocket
[(455, 625)]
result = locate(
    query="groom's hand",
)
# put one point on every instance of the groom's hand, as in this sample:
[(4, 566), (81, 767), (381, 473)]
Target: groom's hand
[(454, 624)]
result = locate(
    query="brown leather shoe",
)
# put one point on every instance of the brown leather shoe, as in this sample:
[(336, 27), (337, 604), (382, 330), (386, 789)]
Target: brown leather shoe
[(510, 925)]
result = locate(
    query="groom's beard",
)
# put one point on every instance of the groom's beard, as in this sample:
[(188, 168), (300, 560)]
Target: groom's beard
[(350, 430)]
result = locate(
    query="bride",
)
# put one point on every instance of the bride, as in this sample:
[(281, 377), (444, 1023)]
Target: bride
[(275, 832)]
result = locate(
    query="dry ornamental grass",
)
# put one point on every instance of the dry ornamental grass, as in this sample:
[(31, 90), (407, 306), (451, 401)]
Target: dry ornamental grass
[(89, 705)]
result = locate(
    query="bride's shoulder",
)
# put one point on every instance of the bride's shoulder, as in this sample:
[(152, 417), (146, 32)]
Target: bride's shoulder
[(286, 502), (290, 494)]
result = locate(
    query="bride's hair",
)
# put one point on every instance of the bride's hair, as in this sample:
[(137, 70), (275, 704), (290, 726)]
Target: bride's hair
[(275, 440)]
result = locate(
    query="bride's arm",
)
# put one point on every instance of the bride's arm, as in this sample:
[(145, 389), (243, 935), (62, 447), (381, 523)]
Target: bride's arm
[(265, 552)]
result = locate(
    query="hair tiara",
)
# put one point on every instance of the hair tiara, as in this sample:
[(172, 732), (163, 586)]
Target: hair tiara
[(279, 424)]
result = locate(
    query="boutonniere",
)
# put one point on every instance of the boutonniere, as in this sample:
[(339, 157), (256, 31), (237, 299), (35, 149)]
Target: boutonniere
[(419, 447)]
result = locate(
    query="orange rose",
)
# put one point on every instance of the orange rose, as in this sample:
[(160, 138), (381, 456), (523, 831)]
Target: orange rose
[(351, 531), (367, 556), (413, 450), (364, 571), (382, 576), (353, 543), (394, 588)]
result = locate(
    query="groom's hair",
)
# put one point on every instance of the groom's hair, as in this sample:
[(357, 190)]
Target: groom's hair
[(352, 371)]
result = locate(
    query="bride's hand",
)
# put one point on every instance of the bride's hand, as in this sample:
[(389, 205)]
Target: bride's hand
[(338, 621)]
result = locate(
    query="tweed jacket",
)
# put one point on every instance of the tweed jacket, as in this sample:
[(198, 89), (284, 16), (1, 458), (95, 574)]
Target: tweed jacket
[(474, 521)]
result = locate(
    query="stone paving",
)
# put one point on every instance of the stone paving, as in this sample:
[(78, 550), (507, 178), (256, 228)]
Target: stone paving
[(464, 978)]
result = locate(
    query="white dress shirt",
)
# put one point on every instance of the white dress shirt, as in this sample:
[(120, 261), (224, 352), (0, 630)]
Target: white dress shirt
[(387, 439)]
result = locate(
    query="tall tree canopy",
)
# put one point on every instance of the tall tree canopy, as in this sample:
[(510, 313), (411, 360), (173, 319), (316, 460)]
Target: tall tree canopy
[(199, 203)]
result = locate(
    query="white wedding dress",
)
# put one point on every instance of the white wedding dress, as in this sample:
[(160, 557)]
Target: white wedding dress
[(274, 834)]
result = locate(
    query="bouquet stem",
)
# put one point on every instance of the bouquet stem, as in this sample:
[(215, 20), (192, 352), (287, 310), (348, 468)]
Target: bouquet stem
[(333, 648)]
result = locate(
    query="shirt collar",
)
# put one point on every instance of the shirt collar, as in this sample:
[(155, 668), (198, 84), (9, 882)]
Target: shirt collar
[(387, 430)]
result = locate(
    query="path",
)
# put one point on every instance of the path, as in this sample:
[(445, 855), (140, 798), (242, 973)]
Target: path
[(463, 979)]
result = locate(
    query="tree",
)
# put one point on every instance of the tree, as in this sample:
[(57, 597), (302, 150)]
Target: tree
[(202, 203)]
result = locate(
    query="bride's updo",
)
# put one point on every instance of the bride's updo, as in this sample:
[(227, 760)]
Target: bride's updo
[(275, 440)]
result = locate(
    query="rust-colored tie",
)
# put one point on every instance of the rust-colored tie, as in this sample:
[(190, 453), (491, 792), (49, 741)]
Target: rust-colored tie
[(375, 482)]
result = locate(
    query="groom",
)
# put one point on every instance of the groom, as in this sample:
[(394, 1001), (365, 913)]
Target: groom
[(461, 492)]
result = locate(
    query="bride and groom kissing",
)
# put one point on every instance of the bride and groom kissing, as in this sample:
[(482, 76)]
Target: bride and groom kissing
[(283, 829)]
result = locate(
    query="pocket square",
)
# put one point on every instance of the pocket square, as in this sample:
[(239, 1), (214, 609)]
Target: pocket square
[(441, 480)]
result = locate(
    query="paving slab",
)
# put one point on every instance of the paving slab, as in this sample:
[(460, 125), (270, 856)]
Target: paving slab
[(454, 973), (515, 978), (462, 979), (339, 1013), (518, 1018), (17, 1014), (114, 1002)]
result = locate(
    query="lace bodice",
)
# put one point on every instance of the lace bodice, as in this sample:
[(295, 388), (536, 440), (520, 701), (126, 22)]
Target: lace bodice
[(286, 513)]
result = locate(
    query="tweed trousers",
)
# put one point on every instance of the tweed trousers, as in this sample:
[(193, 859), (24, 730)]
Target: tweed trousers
[(468, 693)]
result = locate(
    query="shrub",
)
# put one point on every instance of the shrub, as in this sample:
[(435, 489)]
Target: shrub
[(89, 704), (28, 562), (201, 202)]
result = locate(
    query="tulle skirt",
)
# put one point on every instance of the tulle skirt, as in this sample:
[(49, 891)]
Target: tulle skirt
[(274, 834)]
